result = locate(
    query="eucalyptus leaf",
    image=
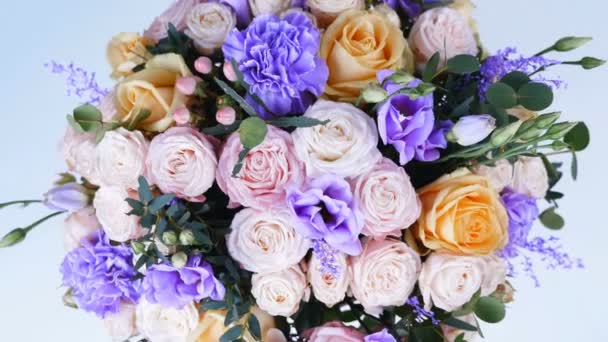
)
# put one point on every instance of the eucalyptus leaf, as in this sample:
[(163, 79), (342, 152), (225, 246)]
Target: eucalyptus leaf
[(578, 138), (75, 125), (145, 195), (252, 132), (535, 96), (431, 67), (296, 121), (490, 309), (236, 97), (515, 79), (459, 324), (222, 129), (87, 113), (463, 64), (574, 166), (551, 219), (253, 325), (501, 95), (232, 334)]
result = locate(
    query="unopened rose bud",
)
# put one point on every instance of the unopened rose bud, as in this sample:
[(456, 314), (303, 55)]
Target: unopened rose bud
[(229, 72), (181, 116), (137, 247), (68, 197), (374, 94), (226, 115), (204, 65), (179, 259), (590, 63), (186, 238), (169, 238), (14, 237), (471, 129), (186, 85), (503, 135), (571, 43)]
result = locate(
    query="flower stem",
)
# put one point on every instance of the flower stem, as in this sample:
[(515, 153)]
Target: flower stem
[(37, 223), (24, 203)]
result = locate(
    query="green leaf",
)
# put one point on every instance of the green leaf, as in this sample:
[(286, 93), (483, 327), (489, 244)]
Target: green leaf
[(236, 97), (213, 305), (75, 125), (141, 116), (459, 324), (426, 334), (296, 121), (463, 64), (501, 95), (431, 67), (490, 309), (252, 132), (232, 315), (515, 79), (159, 202), (468, 307), (578, 138), (253, 325), (551, 219), (574, 166), (87, 112), (145, 195), (460, 338), (535, 96), (222, 129), (559, 130), (232, 334)]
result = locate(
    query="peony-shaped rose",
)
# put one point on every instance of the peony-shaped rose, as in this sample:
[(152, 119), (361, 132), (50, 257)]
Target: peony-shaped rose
[(386, 198), (79, 152), (121, 326), (121, 158), (79, 225), (268, 170), (260, 7), (265, 241), (126, 51), (176, 14), (153, 89), (462, 214), (356, 46), (500, 175), (279, 293), (330, 289), (160, 324), (442, 30), (530, 177), (326, 11), (112, 211), (182, 161), (384, 274), (450, 334), (334, 332), (346, 146), (208, 26)]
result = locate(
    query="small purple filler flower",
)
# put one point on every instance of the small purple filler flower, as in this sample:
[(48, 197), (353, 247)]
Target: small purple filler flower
[(101, 276), (381, 336), (409, 124), (172, 287), (522, 211), (79, 82), (327, 211), (280, 61)]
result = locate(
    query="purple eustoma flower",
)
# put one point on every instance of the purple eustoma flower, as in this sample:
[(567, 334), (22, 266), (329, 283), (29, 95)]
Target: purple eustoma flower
[(522, 211), (280, 61), (326, 211), (381, 336), (172, 287), (68, 197), (101, 276)]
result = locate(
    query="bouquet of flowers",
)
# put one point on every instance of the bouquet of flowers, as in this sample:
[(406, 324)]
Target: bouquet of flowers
[(320, 170)]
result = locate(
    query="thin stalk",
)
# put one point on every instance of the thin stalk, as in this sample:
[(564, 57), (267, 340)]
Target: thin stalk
[(25, 203), (547, 50), (37, 223)]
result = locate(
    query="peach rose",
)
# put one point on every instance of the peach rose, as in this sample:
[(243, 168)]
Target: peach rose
[(387, 200), (462, 214), (126, 51), (121, 326), (268, 171), (121, 158), (384, 274), (279, 293), (211, 326), (153, 89), (79, 152), (176, 14), (112, 212), (79, 225), (327, 288), (334, 332), (530, 177), (500, 175), (356, 46), (326, 11)]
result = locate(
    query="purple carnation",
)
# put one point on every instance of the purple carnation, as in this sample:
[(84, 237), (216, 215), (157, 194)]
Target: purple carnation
[(280, 61), (409, 124), (101, 276), (326, 211), (381, 336), (172, 287), (522, 211)]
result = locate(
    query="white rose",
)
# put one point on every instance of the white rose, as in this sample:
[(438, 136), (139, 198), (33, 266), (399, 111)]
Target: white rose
[(450, 333), (182, 161), (121, 158), (384, 274), (121, 326), (346, 146), (160, 324), (259, 7), (79, 152), (495, 274), (442, 30), (208, 25), (329, 289), (107, 107), (79, 225), (500, 175), (279, 293), (387, 200), (326, 11), (530, 177), (111, 210), (266, 241)]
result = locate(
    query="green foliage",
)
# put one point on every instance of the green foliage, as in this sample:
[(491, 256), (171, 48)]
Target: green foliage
[(252, 132), (236, 97), (535, 96), (490, 309), (431, 67), (296, 121), (463, 64), (551, 219), (233, 334), (501, 95), (578, 137)]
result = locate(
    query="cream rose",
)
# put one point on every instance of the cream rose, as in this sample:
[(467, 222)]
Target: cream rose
[(153, 89), (259, 7), (121, 326), (346, 146), (182, 161), (211, 327), (500, 175), (111, 210), (126, 51), (450, 333), (78, 226), (384, 274), (495, 274), (160, 324), (326, 11), (442, 30), (530, 177), (387, 200), (266, 241), (176, 14), (79, 152), (279, 293), (107, 108), (208, 25), (121, 158), (327, 288)]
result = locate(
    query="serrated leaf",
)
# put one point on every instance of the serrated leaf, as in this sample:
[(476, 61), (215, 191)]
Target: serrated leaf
[(431, 67), (236, 97), (463, 64), (232, 334)]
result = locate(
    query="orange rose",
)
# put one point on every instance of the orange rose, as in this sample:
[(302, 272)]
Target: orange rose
[(462, 214)]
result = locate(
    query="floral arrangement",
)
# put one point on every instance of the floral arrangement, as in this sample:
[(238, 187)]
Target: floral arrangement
[(320, 170)]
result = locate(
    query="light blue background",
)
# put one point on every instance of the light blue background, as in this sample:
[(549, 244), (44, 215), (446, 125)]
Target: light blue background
[(569, 306)]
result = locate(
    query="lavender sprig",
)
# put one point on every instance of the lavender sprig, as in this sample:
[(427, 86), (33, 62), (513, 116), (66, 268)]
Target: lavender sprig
[(79, 82), (421, 314), (327, 257)]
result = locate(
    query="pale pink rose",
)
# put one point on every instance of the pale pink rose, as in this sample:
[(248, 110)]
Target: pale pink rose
[(280, 293), (121, 326), (176, 14), (530, 177), (208, 26), (450, 333), (334, 332), (266, 241), (495, 274), (78, 226), (121, 157), (442, 30), (107, 107), (387, 200), (326, 11), (327, 288), (500, 175), (226, 115), (182, 161), (268, 171), (79, 152), (112, 211), (384, 274)]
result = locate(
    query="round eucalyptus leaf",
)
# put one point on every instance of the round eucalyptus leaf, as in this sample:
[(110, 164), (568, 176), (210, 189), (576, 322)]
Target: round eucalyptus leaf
[(551, 219), (490, 309), (515, 79), (501, 95), (535, 96), (578, 138), (463, 64), (87, 112), (252, 132)]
